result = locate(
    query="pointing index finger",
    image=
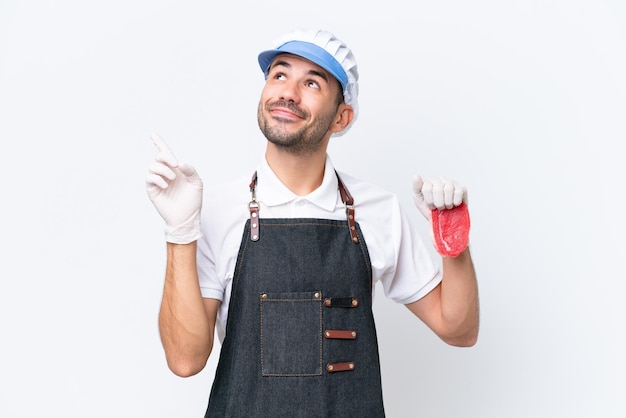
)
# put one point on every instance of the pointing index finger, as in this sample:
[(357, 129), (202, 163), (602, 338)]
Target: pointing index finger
[(163, 148), (159, 143)]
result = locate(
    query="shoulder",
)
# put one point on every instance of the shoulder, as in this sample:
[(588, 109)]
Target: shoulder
[(229, 187), (225, 203), (227, 194), (367, 193), (378, 210)]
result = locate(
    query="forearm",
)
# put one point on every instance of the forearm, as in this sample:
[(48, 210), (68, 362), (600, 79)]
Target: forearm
[(185, 329), (459, 300)]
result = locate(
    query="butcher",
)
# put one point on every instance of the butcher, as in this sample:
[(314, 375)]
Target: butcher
[(281, 264)]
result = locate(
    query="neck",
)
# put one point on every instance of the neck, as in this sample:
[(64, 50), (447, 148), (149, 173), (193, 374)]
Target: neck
[(300, 174)]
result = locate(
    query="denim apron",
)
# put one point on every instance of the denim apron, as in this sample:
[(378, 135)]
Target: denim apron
[(300, 337)]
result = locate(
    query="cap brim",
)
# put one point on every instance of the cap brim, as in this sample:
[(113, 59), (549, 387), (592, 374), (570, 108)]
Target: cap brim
[(311, 52)]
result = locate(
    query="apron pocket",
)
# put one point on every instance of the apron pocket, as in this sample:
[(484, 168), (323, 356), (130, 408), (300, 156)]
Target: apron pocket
[(291, 334)]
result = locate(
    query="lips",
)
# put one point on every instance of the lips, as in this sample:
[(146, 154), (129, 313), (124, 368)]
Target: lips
[(285, 109)]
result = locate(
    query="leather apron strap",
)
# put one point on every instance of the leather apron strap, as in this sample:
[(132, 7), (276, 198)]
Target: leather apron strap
[(346, 198)]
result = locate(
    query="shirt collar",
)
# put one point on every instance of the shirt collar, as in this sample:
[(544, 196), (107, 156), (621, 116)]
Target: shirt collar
[(272, 192)]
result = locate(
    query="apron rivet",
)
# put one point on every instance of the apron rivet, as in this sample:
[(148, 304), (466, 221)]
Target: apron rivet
[(263, 295), (330, 368), (354, 334)]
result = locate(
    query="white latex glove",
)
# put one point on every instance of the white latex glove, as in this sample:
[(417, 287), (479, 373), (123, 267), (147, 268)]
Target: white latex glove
[(175, 189), (437, 193)]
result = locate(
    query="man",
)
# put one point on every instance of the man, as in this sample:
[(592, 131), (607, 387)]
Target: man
[(284, 262)]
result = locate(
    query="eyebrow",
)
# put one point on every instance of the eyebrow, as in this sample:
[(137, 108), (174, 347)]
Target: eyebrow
[(312, 72)]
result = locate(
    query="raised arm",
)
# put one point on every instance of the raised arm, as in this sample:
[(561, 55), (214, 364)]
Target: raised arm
[(186, 320), (451, 310)]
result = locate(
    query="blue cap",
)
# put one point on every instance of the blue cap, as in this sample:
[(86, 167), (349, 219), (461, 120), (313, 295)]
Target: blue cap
[(312, 52)]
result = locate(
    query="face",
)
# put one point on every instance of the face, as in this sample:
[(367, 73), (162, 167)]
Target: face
[(299, 105)]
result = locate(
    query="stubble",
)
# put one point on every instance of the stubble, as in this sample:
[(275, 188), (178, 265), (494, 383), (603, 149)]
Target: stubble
[(306, 140)]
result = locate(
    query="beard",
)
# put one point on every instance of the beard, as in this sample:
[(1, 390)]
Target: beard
[(306, 140)]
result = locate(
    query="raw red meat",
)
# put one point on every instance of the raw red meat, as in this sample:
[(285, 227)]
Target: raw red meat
[(451, 230)]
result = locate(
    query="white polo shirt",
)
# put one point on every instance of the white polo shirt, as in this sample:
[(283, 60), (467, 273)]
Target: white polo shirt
[(400, 260)]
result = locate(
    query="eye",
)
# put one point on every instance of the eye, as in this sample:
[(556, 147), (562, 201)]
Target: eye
[(279, 76), (313, 84)]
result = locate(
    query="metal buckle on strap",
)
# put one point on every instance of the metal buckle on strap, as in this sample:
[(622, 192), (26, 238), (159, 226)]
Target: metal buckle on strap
[(254, 220), (351, 223), (253, 206)]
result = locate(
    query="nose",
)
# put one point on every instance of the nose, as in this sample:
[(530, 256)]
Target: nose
[(290, 91)]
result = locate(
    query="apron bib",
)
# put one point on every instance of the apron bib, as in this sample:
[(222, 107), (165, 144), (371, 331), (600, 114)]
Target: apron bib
[(300, 337)]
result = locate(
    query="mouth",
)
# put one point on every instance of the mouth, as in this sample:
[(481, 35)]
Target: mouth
[(285, 110)]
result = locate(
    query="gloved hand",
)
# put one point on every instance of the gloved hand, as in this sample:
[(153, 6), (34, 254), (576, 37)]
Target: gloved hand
[(175, 189), (443, 202), (437, 193)]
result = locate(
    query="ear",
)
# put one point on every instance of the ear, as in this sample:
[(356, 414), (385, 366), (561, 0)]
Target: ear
[(345, 114)]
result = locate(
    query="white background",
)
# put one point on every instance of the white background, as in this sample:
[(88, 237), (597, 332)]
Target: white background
[(523, 101)]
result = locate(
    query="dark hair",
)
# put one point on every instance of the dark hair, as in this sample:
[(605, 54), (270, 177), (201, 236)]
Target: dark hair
[(340, 97)]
